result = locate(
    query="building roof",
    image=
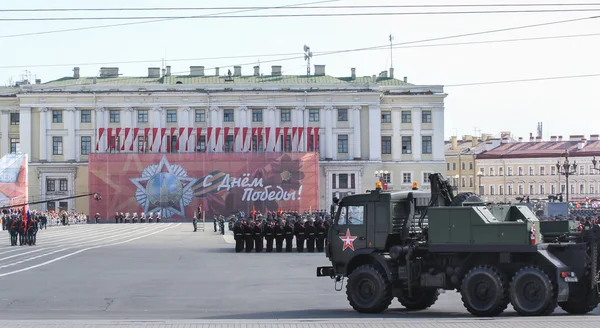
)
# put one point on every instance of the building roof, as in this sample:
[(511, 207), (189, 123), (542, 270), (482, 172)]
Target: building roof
[(542, 149), (187, 79), (8, 91)]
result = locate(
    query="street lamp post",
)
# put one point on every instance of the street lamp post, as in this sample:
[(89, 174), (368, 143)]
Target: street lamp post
[(380, 176), (479, 175), (567, 169)]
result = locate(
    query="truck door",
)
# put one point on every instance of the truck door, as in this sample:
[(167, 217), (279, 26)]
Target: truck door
[(349, 232)]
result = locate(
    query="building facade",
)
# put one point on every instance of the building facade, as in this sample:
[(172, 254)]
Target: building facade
[(461, 167), (517, 169), (358, 125)]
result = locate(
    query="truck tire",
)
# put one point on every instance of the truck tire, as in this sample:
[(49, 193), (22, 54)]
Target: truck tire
[(422, 299), (484, 292), (459, 199), (532, 292), (582, 300), (368, 290)]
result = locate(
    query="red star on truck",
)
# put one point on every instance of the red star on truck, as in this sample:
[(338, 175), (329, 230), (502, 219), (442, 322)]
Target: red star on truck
[(348, 240)]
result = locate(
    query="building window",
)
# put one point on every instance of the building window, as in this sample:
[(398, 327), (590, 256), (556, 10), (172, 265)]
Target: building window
[(509, 190), (426, 115), (141, 142), (470, 165), (531, 189), (582, 170), (531, 172), (463, 166), (50, 185), (542, 189), (14, 118), (386, 177), (427, 146), (553, 189), (342, 114), (115, 116), (311, 144), (201, 144), (552, 170), (256, 147), (447, 166), (581, 189), (510, 171), (386, 116), (406, 177), (482, 170), (229, 144), (500, 171), (542, 170), (86, 145), (520, 171), (286, 115), (200, 115), (342, 143), (406, 116), (57, 146), (492, 191), (313, 115), (426, 177), (62, 185), (86, 116), (463, 182), (343, 181), (142, 116), (287, 146), (15, 146), (470, 181), (500, 190), (57, 116), (172, 116), (228, 115), (521, 189), (257, 115), (492, 173), (386, 144), (406, 145), (591, 189), (454, 166), (172, 142)]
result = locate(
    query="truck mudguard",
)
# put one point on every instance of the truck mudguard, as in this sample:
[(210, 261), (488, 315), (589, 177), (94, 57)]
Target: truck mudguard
[(563, 286), (377, 257)]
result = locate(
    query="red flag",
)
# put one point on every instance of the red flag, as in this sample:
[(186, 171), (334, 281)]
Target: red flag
[(109, 136), (146, 134), (217, 135), (316, 140), (277, 133), (244, 135), (198, 134), (116, 136), (154, 135), (162, 136), (254, 133), (181, 132), (169, 141), (236, 131), (136, 131), (294, 130), (225, 135), (207, 141), (308, 136), (300, 130), (125, 140), (285, 134), (259, 131), (100, 133), (173, 130)]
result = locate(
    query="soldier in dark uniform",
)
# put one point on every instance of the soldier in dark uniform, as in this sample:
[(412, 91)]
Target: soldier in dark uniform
[(269, 235), (321, 235), (257, 233), (279, 237), (222, 225), (333, 207), (215, 219), (238, 234), (32, 228), (22, 230), (288, 233), (14, 231), (195, 223), (311, 235), (248, 229), (300, 232)]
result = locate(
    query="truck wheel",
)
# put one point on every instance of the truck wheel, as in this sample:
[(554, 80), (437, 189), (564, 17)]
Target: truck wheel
[(532, 292), (484, 292), (421, 299), (582, 299), (459, 199), (368, 290)]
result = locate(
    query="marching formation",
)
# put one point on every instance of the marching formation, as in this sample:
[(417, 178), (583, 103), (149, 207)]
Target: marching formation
[(22, 226), (127, 218)]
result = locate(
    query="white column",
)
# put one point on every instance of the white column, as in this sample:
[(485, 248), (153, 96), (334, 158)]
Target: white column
[(272, 123), (301, 124), (396, 138), (375, 133), (77, 137), (356, 123), (216, 115), (127, 121), (25, 131), (329, 142), (155, 121), (99, 123), (69, 145), (416, 142), (437, 117), (4, 128)]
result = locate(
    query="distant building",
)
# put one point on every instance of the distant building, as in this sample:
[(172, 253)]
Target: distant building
[(528, 168)]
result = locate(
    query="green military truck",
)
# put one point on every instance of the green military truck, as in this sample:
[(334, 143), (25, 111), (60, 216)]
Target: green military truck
[(409, 245)]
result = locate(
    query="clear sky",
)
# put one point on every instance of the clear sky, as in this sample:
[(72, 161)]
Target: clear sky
[(565, 106)]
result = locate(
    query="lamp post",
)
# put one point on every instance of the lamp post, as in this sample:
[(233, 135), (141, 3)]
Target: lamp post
[(479, 175), (456, 177), (567, 169), (380, 176)]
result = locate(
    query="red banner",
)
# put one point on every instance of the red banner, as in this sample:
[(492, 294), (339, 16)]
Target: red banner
[(100, 133), (136, 131), (244, 135), (308, 136), (236, 131), (175, 184), (125, 139)]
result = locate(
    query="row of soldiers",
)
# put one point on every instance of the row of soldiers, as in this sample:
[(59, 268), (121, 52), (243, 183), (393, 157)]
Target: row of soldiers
[(126, 218), (21, 229), (251, 234)]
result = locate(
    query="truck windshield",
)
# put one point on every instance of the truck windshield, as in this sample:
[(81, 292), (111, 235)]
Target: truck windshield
[(350, 215)]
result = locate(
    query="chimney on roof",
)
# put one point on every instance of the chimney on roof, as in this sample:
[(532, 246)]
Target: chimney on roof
[(256, 70), (531, 138), (575, 137), (319, 70), (237, 70), (474, 141), (353, 73), (391, 72), (197, 70), (276, 70), (216, 71), (520, 139), (109, 72), (383, 74), (505, 140), (168, 73), (38, 81), (594, 137), (76, 72), (454, 141), (538, 139), (406, 79), (581, 143), (154, 72), (553, 138)]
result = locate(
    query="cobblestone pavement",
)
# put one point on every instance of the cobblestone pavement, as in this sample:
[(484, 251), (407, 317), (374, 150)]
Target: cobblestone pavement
[(166, 275)]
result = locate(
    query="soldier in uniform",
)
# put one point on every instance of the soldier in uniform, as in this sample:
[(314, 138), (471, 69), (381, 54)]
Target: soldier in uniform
[(333, 207), (222, 225), (269, 235), (288, 233), (215, 219), (14, 231), (32, 228), (117, 217), (257, 233), (22, 230), (248, 230), (311, 234), (279, 237), (321, 235), (300, 232), (143, 218), (195, 223), (238, 234), (121, 217)]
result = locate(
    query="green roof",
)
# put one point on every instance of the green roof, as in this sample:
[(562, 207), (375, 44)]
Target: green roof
[(8, 91), (186, 79)]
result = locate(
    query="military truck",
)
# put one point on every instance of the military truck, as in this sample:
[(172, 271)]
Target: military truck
[(411, 245)]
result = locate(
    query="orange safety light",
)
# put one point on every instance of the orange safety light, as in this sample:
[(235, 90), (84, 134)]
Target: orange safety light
[(378, 185), (415, 186)]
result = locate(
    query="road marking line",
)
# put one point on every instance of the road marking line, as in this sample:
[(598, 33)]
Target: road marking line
[(85, 249)]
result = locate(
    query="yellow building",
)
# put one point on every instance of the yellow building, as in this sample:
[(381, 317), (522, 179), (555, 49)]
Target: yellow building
[(461, 168)]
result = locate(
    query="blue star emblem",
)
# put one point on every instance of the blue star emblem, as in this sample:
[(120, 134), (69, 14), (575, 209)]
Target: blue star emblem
[(165, 187)]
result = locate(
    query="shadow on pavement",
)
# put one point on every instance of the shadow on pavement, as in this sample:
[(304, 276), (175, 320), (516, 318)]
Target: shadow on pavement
[(340, 314)]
